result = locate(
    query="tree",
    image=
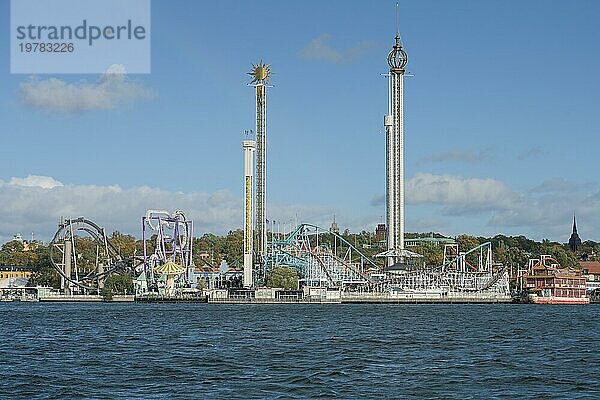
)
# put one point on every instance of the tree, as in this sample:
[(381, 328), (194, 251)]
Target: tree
[(14, 246), (119, 284), (432, 255), (561, 253), (126, 244), (210, 243), (510, 256), (107, 294), (466, 243), (43, 272), (283, 277), (233, 247)]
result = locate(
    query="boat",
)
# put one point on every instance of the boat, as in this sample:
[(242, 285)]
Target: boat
[(547, 282)]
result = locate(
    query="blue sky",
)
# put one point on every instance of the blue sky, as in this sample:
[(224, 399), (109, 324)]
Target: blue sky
[(502, 122)]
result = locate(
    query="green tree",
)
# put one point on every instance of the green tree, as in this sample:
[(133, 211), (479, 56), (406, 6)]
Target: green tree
[(283, 277), (119, 284), (211, 244), (125, 244), (233, 248), (107, 294), (14, 246), (466, 243), (432, 255), (510, 256), (562, 254), (43, 272)]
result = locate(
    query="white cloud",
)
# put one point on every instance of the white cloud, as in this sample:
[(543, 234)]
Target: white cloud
[(56, 95), (377, 200), (38, 207), (488, 206), (44, 182), (460, 195), (456, 194), (319, 49), (447, 204), (37, 203)]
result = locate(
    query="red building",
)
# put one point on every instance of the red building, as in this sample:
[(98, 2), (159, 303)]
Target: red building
[(591, 271), (548, 283)]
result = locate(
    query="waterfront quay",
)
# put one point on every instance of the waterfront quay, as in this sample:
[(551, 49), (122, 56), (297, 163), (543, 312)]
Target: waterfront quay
[(280, 296), (331, 296), (61, 298)]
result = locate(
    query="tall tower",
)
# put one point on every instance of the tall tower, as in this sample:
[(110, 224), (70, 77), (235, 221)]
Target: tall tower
[(249, 148), (394, 130), (260, 74)]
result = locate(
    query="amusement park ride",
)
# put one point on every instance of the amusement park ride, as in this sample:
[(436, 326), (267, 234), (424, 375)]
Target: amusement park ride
[(172, 246), (323, 259), (76, 275), (165, 264)]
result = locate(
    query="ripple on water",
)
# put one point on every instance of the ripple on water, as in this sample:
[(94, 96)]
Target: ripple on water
[(179, 351)]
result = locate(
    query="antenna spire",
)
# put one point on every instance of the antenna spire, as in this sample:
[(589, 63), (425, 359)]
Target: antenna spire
[(397, 20)]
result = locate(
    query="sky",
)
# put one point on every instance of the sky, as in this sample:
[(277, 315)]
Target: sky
[(502, 129)]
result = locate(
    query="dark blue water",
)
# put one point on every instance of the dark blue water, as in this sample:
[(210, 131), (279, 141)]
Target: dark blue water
[(183, 351)]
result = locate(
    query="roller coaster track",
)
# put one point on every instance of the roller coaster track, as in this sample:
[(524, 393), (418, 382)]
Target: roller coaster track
[(296, 249), (67, 232)]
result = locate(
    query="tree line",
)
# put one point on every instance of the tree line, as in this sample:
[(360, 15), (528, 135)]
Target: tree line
[(210, 249)]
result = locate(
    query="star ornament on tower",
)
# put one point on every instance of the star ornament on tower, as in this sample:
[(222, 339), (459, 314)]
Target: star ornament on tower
[(260, 73)]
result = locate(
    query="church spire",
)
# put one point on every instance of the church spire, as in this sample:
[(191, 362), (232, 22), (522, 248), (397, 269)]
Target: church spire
[(574, 240)]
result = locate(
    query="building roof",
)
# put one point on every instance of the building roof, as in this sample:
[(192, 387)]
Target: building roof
[(592, 267), (434, 240), (14, 268)]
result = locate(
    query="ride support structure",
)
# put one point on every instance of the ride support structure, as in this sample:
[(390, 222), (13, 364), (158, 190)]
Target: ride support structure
[(172, 235), (84, 257)]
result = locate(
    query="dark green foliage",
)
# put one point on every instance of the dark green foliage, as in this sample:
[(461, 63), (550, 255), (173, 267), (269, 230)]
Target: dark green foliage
[(228, 248), (107, 294), (118, 284), (43, 272), (283, 277), (432, 255)]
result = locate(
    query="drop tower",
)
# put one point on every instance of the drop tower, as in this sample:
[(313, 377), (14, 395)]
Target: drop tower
[(394, 131), (260, 74)]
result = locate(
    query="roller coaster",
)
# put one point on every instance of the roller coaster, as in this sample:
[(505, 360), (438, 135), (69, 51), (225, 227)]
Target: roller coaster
[(472, 271), (326, 259), (322, 258), (170, 241), (84, 256)]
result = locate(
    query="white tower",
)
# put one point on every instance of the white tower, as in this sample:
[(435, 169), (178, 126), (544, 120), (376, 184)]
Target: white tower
[(394, 130), (249, 148)]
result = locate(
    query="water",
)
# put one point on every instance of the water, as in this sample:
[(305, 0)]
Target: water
[(183, 351)]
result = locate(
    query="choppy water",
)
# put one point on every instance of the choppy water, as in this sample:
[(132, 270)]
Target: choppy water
[(183, 351)]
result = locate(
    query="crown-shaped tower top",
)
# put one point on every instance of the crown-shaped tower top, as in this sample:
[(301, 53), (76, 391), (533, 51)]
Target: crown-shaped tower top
[(397, 57)]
